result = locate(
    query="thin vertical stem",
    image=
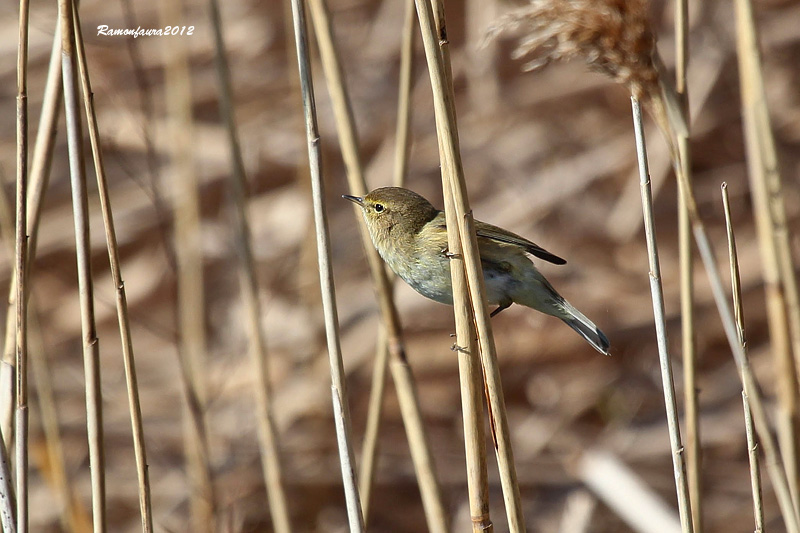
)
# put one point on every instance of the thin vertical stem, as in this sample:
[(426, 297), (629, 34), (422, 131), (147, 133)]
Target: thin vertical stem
[(775, 465), (421, 455), (780, 282), (678, 462), (755, 470), (403, 131), (471, 381), (37, 184), (686, 261), (20, 264), (189, 262), (134, 407), (91, 348), (434, 37), (267, 433), (738, 310), (369, 449), (338, 384)]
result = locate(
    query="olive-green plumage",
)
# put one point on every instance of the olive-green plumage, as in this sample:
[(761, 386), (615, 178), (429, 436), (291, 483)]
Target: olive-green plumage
[(411, 236)]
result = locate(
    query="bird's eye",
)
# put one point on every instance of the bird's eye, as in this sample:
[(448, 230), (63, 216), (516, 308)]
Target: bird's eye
[(378, 208)]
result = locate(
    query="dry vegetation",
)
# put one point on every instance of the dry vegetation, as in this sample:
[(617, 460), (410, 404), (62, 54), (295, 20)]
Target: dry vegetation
[(549, 155)]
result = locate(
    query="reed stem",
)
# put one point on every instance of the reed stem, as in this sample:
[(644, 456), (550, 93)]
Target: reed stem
[(338, 384), (401, 373), (37, 184), (267, 432), (20, 271), (738, 310), (686, 263), (369, 449), (134, 407), (678, 461), (190, 304), (91, 347), (459, 215), (780, 281)]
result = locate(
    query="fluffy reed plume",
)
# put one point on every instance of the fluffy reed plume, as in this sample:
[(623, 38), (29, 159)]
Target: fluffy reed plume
[(613, 37)]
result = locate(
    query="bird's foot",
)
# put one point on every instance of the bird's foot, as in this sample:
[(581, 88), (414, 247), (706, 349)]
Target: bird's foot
[(450, 255), (456, 348)]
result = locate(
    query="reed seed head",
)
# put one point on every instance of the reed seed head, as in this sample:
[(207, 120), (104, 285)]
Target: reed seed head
[(614, 37)]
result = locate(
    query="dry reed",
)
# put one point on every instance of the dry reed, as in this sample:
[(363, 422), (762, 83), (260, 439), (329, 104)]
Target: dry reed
[(637, 72), (338, 384), (369, 449), (91, 347), (775, 466), (656, 290), (20, 271), (686, 268), (134, 407), (471, 376), (403, 130), (267, 433), (190, 304), (73, 514), (462, 243), (401, 372), (780, 282), (37, 184), (738, 309)]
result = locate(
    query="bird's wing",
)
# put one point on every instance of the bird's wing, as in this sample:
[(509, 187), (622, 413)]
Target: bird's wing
[(494, 233)]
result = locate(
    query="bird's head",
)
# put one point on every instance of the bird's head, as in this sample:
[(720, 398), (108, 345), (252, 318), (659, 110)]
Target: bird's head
[(393, 212)]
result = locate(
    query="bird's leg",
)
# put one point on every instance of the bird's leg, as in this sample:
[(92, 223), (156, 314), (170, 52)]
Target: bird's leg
[(501, 307), (457, 348), (448, 254)]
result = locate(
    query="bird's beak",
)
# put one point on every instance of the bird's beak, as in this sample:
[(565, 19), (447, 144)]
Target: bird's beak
[(355, 199)]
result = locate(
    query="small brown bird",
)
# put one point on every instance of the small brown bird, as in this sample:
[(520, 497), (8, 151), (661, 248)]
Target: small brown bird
[(411, 236)]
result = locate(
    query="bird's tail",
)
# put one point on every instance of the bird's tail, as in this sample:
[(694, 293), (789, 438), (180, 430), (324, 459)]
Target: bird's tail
[(585, 327)]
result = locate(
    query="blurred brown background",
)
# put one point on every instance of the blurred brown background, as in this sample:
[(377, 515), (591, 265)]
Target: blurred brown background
[(548, 155)]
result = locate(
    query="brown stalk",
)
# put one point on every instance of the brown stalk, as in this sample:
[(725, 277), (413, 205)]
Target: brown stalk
[(773, 236), (151, 156), (73, 516), (738, 309), (369, 449), (627, 68), (775, 467), (434, 36), (91, 348), (471, 376), (37, 184), (404, 90), (341, 410), (656, 291), (399, 368), (267, 432), (686, 264), (20, 271), (145, 508), (189, 261)]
